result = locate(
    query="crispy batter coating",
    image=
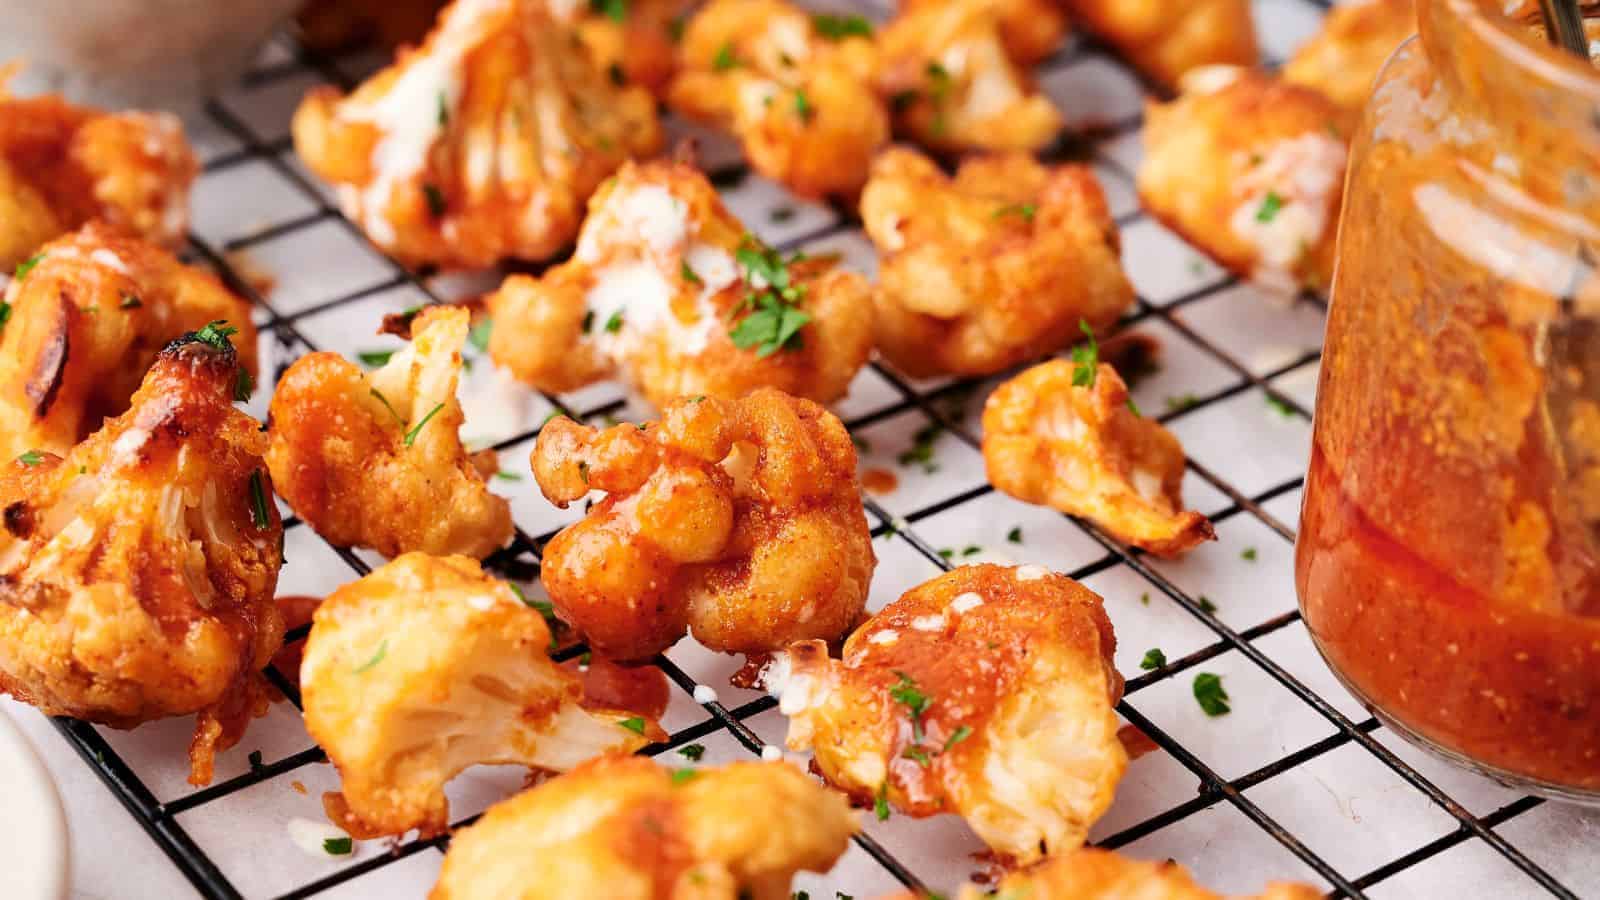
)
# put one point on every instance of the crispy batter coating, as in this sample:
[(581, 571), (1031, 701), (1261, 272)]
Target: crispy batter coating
[(1090, 873), (1167, 38), (339, 24), (428, 666), (986, 692), (375, 460), (137, 572), (991, 268), (63, 165), (624, 828), (1031, 29), (802, 103), (481, 144), (659, 293), (953, 85), (1250, 170), (85, 323), (739, 521), (1081, 450), (631, 42), (1343, 59)]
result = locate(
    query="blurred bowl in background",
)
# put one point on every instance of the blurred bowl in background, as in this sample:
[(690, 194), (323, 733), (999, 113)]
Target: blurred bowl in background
[(134, 53)]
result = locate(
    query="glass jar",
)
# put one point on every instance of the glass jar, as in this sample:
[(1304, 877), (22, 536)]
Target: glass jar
[(1449, 555)]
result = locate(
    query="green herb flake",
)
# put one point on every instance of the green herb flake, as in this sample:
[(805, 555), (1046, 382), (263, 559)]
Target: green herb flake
[(971, 550), (26, 266), (215, 335), (507, 476), (1248, 554), (1181, 402), (615, 10), (724, 60), (386, 405), (444, 109), (375, 359), (481, 332), (917, 755), (1211, 696), (1206, 605), (377, 657), (254, 759), (129, 301), (692, 752), (1085, 358), (1144, 598), (31, 458), (614, 323), (947, 552), (5, 314), (1153, 659), (880, 803), (960, 734), (411, 436), (1280, 406), (243, 386), (634, 724), (340, 846), (921, 450), (683, 776), (1023, 211), (1270, 205), (588, 321), (837, 28), (258, 501), (906, 693), (803, 107), (688, 274), (435, 198), (1015, 535)]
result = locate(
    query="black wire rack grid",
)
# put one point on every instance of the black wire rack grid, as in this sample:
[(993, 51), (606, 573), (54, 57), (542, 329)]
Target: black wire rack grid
[(937, 408)]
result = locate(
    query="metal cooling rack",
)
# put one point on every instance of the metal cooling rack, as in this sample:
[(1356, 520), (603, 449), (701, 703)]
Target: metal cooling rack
[(1233, 798)]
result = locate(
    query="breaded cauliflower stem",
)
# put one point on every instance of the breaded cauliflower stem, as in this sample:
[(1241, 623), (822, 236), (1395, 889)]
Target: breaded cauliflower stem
[(375, 460), (994, 267), (87, 315), (952, 84), (624, 828), (137, 571), (1094, 874), (62, 166), (985, 692), (1167, 38), (1343, 59), (631, 42), (481, 144), (739, 521), (1061, 434), (1250, 170), (670, 293), (797, 92), (428, 666)]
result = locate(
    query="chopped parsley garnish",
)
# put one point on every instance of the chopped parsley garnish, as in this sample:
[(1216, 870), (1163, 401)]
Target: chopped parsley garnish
[(374, 359), (614, 323), (129, 301), (243, 386), (921, 451), (836, 28), (26, 266), (971, 550), (1133, 407), (258, 501), (917, 755), (634, 724), (803, 107), (480, 334), (1144, 598), (774, 321), (687, 274), (1085, 358), (31, 458), (588, 321), (255, 759), (1023, 211), (692, 752), (1183, 401), (386, 405), (215, 335), (1206, 605), (675, 28), (1153, 659), (880, 803), (861, 443), (960, 734), (939, 84), (1279, 406), (1015, 535), (507, 476), (340, 846), (1270, 204), (615, 10), (444, 109), (617, 76), (1248, 554), (1211, 696), (411, 436), (724, 60), (683, 776), (5, 314), (906, 693), (377, 657), (435, 198), (947, 552)]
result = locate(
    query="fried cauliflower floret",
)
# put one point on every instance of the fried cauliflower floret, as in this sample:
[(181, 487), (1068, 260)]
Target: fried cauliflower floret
[(375, 460), (631, 42), (953, 85), (137, 572), (85, 322), (991, 268), (1250, 170), (1343, 60), (481, 144), (62, 166), (669, 292), (1090, 873), (738, 521), (1079, 448), (985, 692), (800, 100), (1167, 38), (428, 666), (1031, 29), (625, 828)]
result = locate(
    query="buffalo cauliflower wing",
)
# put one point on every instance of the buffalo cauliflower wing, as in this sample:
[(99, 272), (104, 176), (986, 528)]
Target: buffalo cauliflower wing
[(624, 828), (137, 570), (86, 317), (1090, 873), (375, 460), (738, 521), (1167, 38), (631, 42), (796, 92), (954, 86), (1343, 60), (1031, 29), (991, 268), (62, 166), (428, 666), (668, 291), (482, 143), (1250, 169), (985, 692), (1062, 434)]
